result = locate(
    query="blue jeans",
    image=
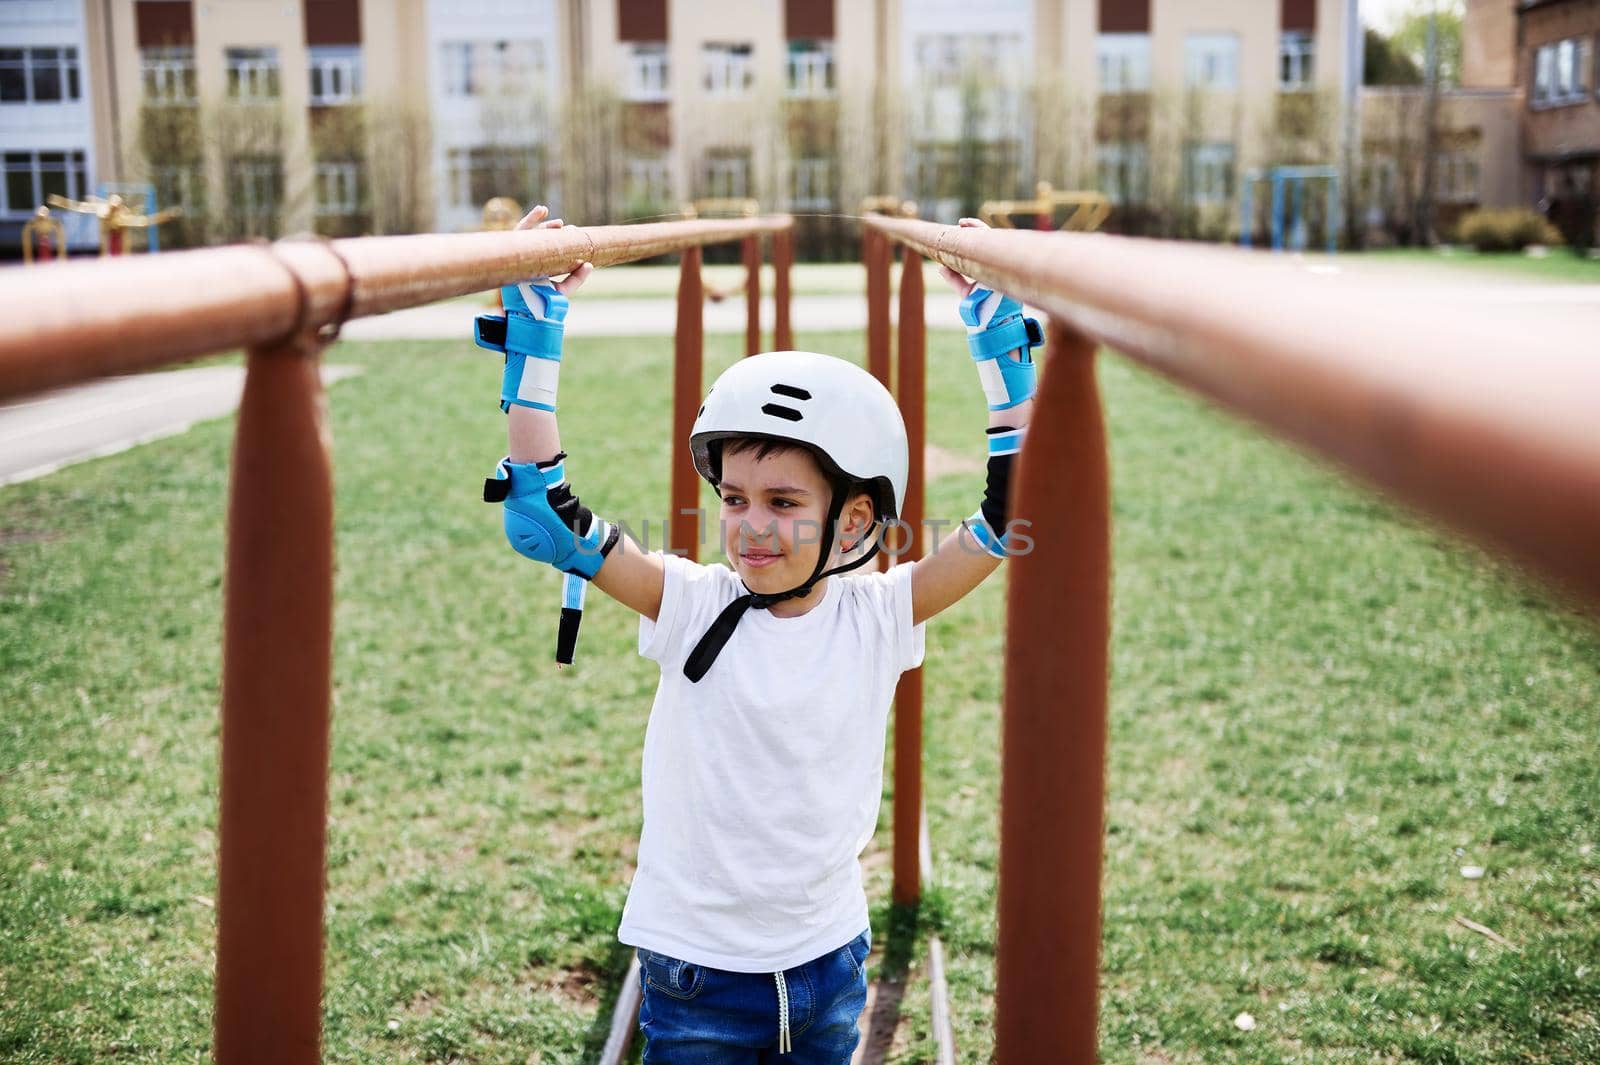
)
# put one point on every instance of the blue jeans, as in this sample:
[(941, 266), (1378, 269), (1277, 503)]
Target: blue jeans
[(696, 1014)]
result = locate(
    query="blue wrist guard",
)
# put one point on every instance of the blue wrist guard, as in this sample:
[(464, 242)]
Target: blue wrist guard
[(531, 328), (995, 329), (545, 521), (990, 526)]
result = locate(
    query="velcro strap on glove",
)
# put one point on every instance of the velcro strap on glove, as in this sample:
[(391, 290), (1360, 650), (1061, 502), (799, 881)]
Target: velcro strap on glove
[(995, 329)]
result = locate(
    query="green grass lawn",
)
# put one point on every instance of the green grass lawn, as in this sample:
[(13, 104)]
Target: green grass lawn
[(1322, 711), (1560, 265)]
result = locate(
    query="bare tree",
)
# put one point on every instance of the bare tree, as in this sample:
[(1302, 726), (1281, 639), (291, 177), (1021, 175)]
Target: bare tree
[(399, 161)]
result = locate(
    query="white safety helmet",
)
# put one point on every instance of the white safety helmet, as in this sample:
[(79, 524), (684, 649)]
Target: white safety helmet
[(834, 407)]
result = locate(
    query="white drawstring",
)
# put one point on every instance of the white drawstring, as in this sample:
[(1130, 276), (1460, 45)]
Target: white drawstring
[(785, 1045)]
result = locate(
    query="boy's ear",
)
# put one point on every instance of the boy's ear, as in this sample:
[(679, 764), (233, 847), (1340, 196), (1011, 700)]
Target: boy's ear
[(857, 518)]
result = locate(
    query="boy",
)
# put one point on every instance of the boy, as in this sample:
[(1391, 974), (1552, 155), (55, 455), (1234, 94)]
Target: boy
[(763, 756)]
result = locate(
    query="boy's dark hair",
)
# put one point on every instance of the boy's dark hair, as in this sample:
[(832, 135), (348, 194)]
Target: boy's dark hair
[(765, 446)]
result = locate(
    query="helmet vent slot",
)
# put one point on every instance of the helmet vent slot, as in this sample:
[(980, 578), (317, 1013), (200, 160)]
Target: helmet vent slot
[(791, 391), (779, 411)]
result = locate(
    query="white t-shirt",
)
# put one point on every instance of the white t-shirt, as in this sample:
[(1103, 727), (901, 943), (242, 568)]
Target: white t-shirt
[(762, 781)]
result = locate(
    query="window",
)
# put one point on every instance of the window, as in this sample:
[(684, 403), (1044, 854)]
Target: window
[(475, 175), (1456, 177), (168, 75), (810, 69), (646, 184), (1296, 50), (1561, 73), (1208, 173), (725, 175), (180, 186), (1124, 61), (1211, 61), (811, 184), (1124, 170), (645, 72), (31, 176), (253, 73), (727, 69), (335, 74), (39, 76), (945, 60), (255, 188), (483, 68), (338, 189)]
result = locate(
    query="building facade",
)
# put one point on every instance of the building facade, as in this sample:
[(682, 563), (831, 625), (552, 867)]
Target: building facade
[(1557, 45), (52, 102), (350, 116)]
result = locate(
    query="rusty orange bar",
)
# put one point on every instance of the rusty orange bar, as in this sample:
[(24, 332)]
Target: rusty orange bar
[(688, 357), (1052, 795), (912, 351), (1481, 420), (752, 295), (876, 252), (782, 263), (276, 701), (87, 319)]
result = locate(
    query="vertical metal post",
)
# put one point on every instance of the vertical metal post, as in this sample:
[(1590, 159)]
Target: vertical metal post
[(277, 654), (1277, 211), (1052, 797), (908, 694), (688, 357), (752, 295), (782, 261), (876, 251), (1247, 214)]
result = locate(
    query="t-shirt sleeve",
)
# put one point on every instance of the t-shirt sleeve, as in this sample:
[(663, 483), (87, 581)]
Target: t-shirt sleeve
[(686, 590), (886, 600), (909, 641)]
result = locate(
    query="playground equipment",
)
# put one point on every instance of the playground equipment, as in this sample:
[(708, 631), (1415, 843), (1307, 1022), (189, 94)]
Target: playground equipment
[(116, 217), (501, 212), (1343, 367), (1085, 210), (1290, 179), (47, 233)]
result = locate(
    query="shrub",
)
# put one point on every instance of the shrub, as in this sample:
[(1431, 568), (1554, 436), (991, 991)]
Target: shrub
[(1506, 229)]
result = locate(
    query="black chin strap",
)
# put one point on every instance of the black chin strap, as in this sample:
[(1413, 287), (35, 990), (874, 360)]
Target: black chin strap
[(721, 631)]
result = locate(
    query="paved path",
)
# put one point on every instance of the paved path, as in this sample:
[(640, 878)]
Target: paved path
[(41, 434), (637, 317)]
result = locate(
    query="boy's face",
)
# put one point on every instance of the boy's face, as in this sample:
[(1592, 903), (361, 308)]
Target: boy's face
[(772, 514)]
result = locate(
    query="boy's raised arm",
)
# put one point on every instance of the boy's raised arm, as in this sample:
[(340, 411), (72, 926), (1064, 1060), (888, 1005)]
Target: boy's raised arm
[(1001, 341), (544, 520)]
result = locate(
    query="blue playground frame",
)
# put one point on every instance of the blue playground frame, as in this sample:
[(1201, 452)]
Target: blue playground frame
[(1292, 178)]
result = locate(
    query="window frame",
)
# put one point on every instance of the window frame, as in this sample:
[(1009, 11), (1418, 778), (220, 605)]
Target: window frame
[(250, 67), (1218, 159), (727, 68), (646, 72), (810, 70), (1135, 156), (1207, 67), (33, 61), (335, 63), (1297, 61), (1126, 53), (73, 167), (168, 65), (344, 176)]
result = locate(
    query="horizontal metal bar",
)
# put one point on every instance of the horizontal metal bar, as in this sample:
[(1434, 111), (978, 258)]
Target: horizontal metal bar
[(1489, 427), (76, 321)]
